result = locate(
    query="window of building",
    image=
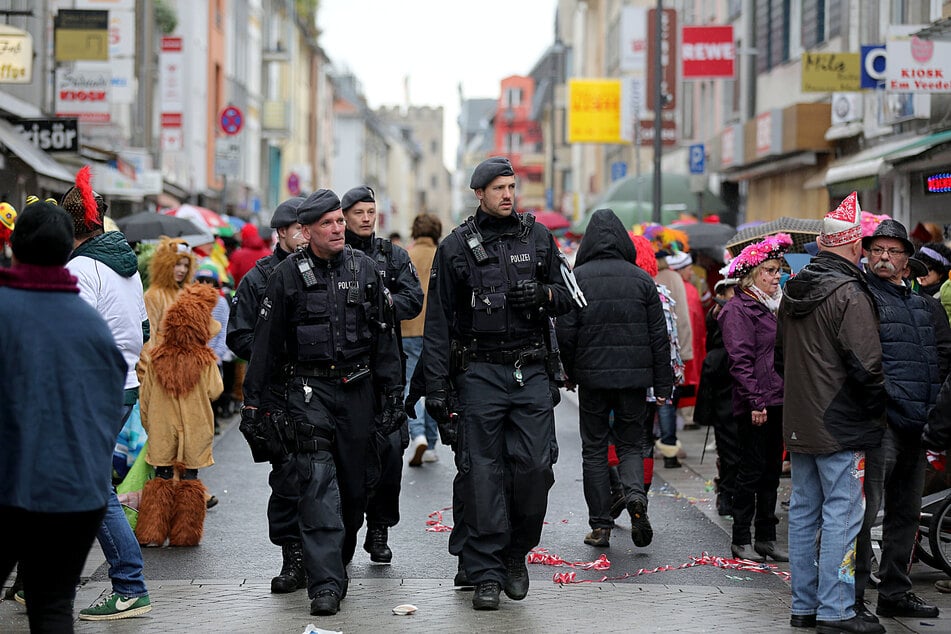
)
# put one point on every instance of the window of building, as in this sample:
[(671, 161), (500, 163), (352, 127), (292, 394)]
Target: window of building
[(772, 21), (910, 11), (513, 97), (513, 143), (821, 21), (434, 147)]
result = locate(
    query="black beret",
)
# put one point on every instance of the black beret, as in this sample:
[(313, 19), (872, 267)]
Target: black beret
[(316, 205), (487, 171), (286, 213), (43, 235), (361, 194)]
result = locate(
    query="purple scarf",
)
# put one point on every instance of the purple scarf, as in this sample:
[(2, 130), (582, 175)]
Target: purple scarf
[(32, 277)]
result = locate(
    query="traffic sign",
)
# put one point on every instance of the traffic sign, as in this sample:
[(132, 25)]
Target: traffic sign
[(227, 157), (697, 158), (231, 120), (618, 170), (293, 184)]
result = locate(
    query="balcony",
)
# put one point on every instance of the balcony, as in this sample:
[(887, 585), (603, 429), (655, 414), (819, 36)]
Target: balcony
[(277, 54), (276, 118)]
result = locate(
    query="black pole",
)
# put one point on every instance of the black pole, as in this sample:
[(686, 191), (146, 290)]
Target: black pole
[(658, 106)]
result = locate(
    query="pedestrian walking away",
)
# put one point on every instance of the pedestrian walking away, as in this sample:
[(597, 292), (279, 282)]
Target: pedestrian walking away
[(324, 316), (832, 371), (399, 275), (496, 280), (50, 520), (282, 515), (614, 349)]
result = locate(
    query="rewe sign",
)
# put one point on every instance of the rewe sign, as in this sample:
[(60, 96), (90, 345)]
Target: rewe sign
[(708, 52)]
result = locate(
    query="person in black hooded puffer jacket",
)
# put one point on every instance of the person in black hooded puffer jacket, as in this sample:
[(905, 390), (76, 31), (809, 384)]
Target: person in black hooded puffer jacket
[(623, 352)]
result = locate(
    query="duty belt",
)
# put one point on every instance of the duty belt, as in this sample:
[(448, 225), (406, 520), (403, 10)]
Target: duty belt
[(327, 370), (505, 357), (314, 445)]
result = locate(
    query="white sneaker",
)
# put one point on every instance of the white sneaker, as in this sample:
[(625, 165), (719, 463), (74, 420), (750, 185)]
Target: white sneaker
[(416, 449), (430, 456)]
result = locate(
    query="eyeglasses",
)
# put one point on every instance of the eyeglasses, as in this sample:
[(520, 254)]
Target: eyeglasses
[(771, 270), (892, 253)]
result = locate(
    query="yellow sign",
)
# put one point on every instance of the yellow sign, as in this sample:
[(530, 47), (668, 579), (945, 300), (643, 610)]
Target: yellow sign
[(594, 111), (831, 72), (74, 45)]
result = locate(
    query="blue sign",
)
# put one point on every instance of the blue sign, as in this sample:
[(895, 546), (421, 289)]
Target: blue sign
[(618, 170), (873, 66), (549, 198), (697, 158)]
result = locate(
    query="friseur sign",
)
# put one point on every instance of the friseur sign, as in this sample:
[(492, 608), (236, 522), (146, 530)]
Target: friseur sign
[(50, 135)]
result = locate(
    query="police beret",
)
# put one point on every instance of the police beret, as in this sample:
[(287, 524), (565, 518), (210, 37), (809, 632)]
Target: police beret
[(316, 205), (487, 171), (361, 194), (286, 213)]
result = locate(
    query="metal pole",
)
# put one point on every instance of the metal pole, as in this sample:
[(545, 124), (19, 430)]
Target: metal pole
[(658, 106)]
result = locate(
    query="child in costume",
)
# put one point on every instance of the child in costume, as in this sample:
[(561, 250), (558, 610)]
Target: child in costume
[(8, 216), (179, 384), (171, 268)]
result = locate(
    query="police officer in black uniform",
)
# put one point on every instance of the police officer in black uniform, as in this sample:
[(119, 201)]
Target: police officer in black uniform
[(495, 282), (283, 527), (325, 321), (399, 275)]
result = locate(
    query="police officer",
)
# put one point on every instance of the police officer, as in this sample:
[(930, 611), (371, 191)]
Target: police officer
[(399, 275), (495, 282), (325, 319), (283, 528)]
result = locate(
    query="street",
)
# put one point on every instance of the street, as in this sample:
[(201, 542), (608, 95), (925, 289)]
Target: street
[(223, 584)]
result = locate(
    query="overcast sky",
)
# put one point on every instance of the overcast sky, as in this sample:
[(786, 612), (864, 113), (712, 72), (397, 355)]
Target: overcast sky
[(437, 44)]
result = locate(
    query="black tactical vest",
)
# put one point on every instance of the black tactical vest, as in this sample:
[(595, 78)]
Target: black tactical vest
[(507, 259), (332, 319)]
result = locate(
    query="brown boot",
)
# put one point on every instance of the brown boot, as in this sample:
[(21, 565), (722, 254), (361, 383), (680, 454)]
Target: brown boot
[(155, 512), (188, 520)]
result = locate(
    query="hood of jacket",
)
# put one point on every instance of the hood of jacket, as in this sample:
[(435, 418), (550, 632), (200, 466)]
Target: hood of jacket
[(250, 238), (112, 249), (604, 239), (815, 282)]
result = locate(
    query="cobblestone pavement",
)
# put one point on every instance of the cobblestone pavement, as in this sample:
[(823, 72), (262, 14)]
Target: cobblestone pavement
[(213, 598)]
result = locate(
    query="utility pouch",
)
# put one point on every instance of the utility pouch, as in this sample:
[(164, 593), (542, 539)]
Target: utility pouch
[(458, 361)]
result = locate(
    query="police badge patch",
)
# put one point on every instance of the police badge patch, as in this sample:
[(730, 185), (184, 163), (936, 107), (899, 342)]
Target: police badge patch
[(265, 311), (412, 269)]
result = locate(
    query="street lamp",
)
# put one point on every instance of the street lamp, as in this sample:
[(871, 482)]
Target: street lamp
[(554, 78)]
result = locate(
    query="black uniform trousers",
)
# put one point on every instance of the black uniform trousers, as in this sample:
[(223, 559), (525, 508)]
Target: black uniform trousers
[(757, 479), (596, 405), (332, 484), (507, 449), (282, 523), (383, 505)]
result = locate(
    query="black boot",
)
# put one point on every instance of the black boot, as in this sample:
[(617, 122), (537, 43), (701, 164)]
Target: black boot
[(486, 595), (326, 603), (292, 575), (516, 579), (375, 544)]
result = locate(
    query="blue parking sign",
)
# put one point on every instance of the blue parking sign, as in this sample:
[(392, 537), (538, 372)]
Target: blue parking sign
[(697, 158), (618, 170)]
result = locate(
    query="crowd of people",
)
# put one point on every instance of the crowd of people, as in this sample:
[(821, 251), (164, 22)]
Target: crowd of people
[(329, 340)]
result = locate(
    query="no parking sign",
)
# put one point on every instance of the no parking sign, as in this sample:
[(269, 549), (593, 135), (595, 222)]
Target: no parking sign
[(231, 120)]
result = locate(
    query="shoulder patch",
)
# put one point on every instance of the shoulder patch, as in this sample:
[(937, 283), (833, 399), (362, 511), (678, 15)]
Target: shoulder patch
[(412, 269), (265, 311)]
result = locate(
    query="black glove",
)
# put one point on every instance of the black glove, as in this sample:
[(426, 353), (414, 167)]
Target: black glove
[(555, 394), (410, 408), (437, 404), (528, 294), (449, 431), (393, 416)]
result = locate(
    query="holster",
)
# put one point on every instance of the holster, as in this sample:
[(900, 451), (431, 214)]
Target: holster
[(264, 436), (458, 359)]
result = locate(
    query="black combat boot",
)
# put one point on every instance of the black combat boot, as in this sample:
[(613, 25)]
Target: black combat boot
[(375, 544), (292, 575), (486, 595), (516, 578)]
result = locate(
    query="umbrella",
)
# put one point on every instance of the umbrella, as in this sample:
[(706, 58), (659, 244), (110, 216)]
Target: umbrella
[(631, 199), (147, 225), (802, 230), (551, 219), (201, 216), (709, 237)]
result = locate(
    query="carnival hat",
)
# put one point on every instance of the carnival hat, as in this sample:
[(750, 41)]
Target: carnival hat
[(842, 225), (774, 247)]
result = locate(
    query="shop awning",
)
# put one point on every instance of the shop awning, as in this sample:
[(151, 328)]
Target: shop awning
[(868, 165), (41, 162)]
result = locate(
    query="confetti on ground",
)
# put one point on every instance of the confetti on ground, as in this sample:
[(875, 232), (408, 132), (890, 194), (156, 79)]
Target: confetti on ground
[(434, 523)]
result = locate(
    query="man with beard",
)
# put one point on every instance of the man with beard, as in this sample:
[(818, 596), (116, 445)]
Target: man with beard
[(399, 275)]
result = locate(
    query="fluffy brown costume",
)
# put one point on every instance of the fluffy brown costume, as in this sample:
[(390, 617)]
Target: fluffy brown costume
[(188, 517), (179, 360), (163, 289), (155, 511)]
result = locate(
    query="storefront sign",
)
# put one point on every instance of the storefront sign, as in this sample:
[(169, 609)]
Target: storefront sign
[(594, 111), (664, 44), (916, 65), (633, 40), (830, 72), (874, 61), (171, 82), (83, 92), (16, 56), (50, 135), (938, 183), (708, 52), (81, 35)]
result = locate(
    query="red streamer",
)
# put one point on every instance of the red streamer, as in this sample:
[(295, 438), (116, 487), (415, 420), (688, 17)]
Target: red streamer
[(543, 557), (434, 523)]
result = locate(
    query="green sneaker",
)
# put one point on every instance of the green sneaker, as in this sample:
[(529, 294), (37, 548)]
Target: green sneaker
[(20, 597), (114, 606)]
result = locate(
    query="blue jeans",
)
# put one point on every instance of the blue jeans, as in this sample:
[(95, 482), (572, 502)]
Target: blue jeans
[(825, 514), (423, 424), (121, 548), (667, 421)]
